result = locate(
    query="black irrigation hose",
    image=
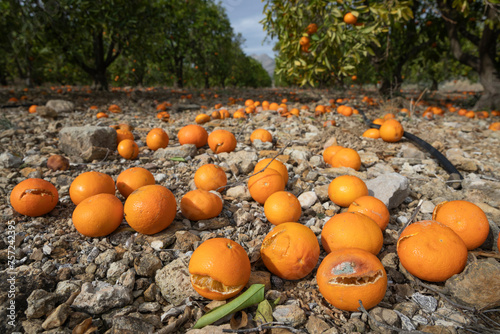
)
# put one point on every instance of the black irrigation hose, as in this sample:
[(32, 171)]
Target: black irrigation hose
[(5, 106), (445, 163)]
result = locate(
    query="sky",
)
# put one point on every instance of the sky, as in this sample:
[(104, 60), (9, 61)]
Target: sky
[(245, 16)]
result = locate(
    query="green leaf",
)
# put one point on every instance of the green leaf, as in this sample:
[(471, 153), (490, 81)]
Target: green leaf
[(264, 313), (253, 295), (181, 159)]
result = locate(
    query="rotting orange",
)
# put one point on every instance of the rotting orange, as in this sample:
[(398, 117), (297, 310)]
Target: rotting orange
[(219, 269), (34, 197), (345, 189), (210, 177), (372, 133), (150, 209), (290, 251), (132, 179), (89, 184), (373, 208), (221, 141), (193, 134), (262, 134), (202, 118), (264, 184), (282, 207), (98, 215), (391, 131), (495, 126), (274, 164), (128, 149), (352, 230), (123, 134), (346, 157), (201, 204), (157, 138), (431, 251), (329, 153), (348, 275), (114, 109), (466, 219)]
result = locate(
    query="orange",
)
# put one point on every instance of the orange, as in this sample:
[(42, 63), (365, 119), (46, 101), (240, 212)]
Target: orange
[(304, 41), (239, 114), (372, 133), (391, 131), (264, 184), (157, 138), (389, 116), (495, 126), (98, 215), (210, 177), (465, 219), (132, 179), (150, 209), (163, 116), (193, 134), (346, 157), (349, 18), (352, 230), (219, 268), (221, 141), (34, 197), (102, 115), (330, 152), (378, 121), (261, 134), (274, 164), (202, 118), (345, 189), (32, 109), (216, 114), (373, 208), (115, 108), (200, 204), (128, 149), (348, 275), (89, 184), (312, 28), (431, 251), (290, 251), (123, 134), (282, 207)]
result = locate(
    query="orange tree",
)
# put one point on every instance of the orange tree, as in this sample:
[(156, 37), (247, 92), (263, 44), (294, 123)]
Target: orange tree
[(476, 22), (317, 43)]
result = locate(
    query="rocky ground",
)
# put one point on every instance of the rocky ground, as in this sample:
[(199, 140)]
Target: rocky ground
[(132, 283)]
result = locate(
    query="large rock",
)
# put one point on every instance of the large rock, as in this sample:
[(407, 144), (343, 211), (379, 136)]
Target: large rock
[(40, 303), (478, 285), (391, 188), (88, 142), (102, 297), (174, 281), (60, 105), (8, 160), (183, 151)]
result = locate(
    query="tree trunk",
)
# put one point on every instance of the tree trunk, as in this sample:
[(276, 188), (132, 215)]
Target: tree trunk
[(207, 83), (180, 72), (100, 80), (435, 85), (485, 65), (3, 77)]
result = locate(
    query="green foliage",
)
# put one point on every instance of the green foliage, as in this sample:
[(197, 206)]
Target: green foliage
[(336, 48)]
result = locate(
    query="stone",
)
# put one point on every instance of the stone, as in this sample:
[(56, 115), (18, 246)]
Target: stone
[(106, 257), (8, 160), (260, 145), (242, 217), (260, 277), (244, 160), (46, 112), (64, 289), (322, 192), (390, 188), (239, 192), (115, 270), (102, 297), (129, 324), (149, 307), (147, 265), (40, 303), (59, 106), (37, 255), (88, 142), (57, 317), (427, 207), (315, 325), (290, 314), (298, 153), (182, 151), (174, 281), (127, 279), (427, 303), (475, 287), (385, 316), (32, 326), (307, 199), (210, 329), (409, 151), (405, 321)]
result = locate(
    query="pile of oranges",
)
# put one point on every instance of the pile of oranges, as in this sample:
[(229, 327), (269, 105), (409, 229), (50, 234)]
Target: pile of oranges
[(220, 268)]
